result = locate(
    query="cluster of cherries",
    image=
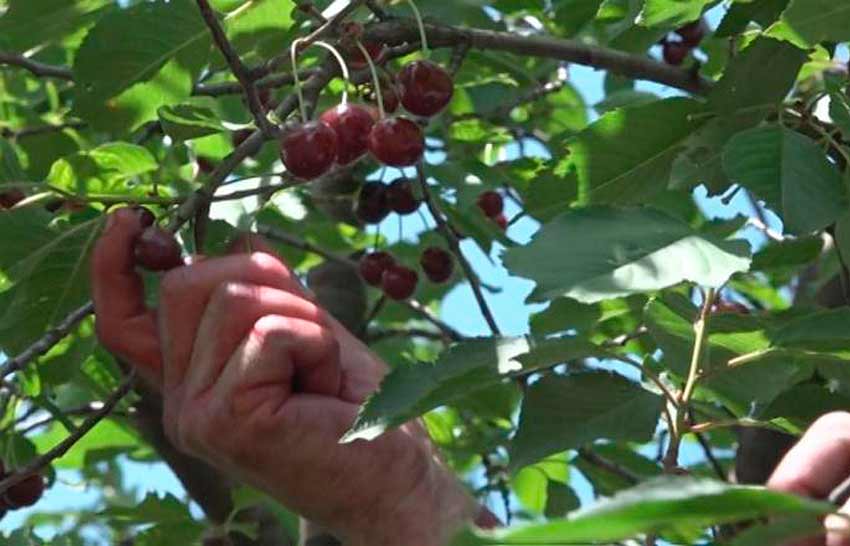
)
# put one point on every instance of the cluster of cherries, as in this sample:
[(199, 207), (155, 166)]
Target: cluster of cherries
[(24, 493), (689, 37), (345, 133)]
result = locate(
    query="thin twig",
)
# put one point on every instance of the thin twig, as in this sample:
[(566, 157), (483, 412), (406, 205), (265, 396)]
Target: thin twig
[(47, 341), (40, 129), (603, 463), (41, 70), (60, 449), (236, 66), (373, 314), (375, 335), (709, 454), (448, 234)]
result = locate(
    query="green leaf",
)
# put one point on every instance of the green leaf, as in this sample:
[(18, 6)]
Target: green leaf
[(560, 500), (106, 169), (626, 156), (184, 122), (791, 173), (780, 532), (567, 412), (410, 390), (30, 23), (772, 63), (662, 503), (671, 13), (10, 165), (813, 21), (107, 435), (788, 253), (572, 15), (617, 252), (739, 15)]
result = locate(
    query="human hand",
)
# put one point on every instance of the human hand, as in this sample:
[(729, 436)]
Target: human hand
[(261, 382), (815, 466)]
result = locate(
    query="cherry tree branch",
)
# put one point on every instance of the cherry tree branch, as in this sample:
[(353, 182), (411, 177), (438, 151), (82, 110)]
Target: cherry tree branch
[(449, 235), (41, 70), (609, 466), (47, 341), (60, 449), (236, 66)]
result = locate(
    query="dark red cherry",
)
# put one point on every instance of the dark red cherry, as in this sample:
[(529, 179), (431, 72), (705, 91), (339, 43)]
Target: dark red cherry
[(491, 203), (397, 142), (675, 53), (352, 124), (10, 198), (373, 265), (692, 33), (309, 150), (25, 493), (157, 250), (146, 217), (372, 206), (377, 52), (501, 221), (400, 197), (426, 88), (399, 282), (437, 264), (205, 165)]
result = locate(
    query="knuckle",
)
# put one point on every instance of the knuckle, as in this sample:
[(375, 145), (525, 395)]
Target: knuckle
[(232, 296), (268, 264)]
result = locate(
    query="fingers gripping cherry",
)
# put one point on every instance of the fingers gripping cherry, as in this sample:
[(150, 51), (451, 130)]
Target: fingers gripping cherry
[(397, 142), (309, 150), (157, 250), (352, 124), (426, 88), (437, 264)]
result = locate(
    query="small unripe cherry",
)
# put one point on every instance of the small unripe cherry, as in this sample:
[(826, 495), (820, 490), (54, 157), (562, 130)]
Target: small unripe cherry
[(25, 493), (491, 203), (437, 264), (400, 197), (399, 282), (373, 265), (157, 250)]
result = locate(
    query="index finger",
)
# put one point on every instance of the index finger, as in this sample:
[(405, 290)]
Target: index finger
[(125, 326)]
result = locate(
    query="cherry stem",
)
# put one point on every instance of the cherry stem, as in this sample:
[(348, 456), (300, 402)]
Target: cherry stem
[(343, 67), (376, 81), (296, 79), (421, 24)]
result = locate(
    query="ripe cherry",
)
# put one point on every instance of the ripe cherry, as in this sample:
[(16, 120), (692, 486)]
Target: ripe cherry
[(372, 206), (400, 197), (501, 221), (157, 250), (397, 142), (426, 88), (437, 264), (491, 203), (399, 282), (377, 52), (692, 33), (10, 198), (352, 124), (25, 493), (373, 265), (309, 150), (675, 53)]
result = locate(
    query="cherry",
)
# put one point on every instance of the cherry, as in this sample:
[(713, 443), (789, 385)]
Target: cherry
[(397, 142), (10, 198), (399, 282), (491, 203), (501, 221), (373, 265), (372, 206), (309, 150), (400, 197), (389, 94), (352, 124), (377, 52), (692, 33), (437, 264), (146, 217), (157, 250), (25, 493), (426, 88), (205, 165), (675, 53)]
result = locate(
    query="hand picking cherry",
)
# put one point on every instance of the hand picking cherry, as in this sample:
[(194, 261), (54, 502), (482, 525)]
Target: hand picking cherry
[(157, 250), (426, 88), (397, 142), (372, 206), (399, 282), (373, 265), (352, 124), (437, 264), (309, 150), (400, 197)]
